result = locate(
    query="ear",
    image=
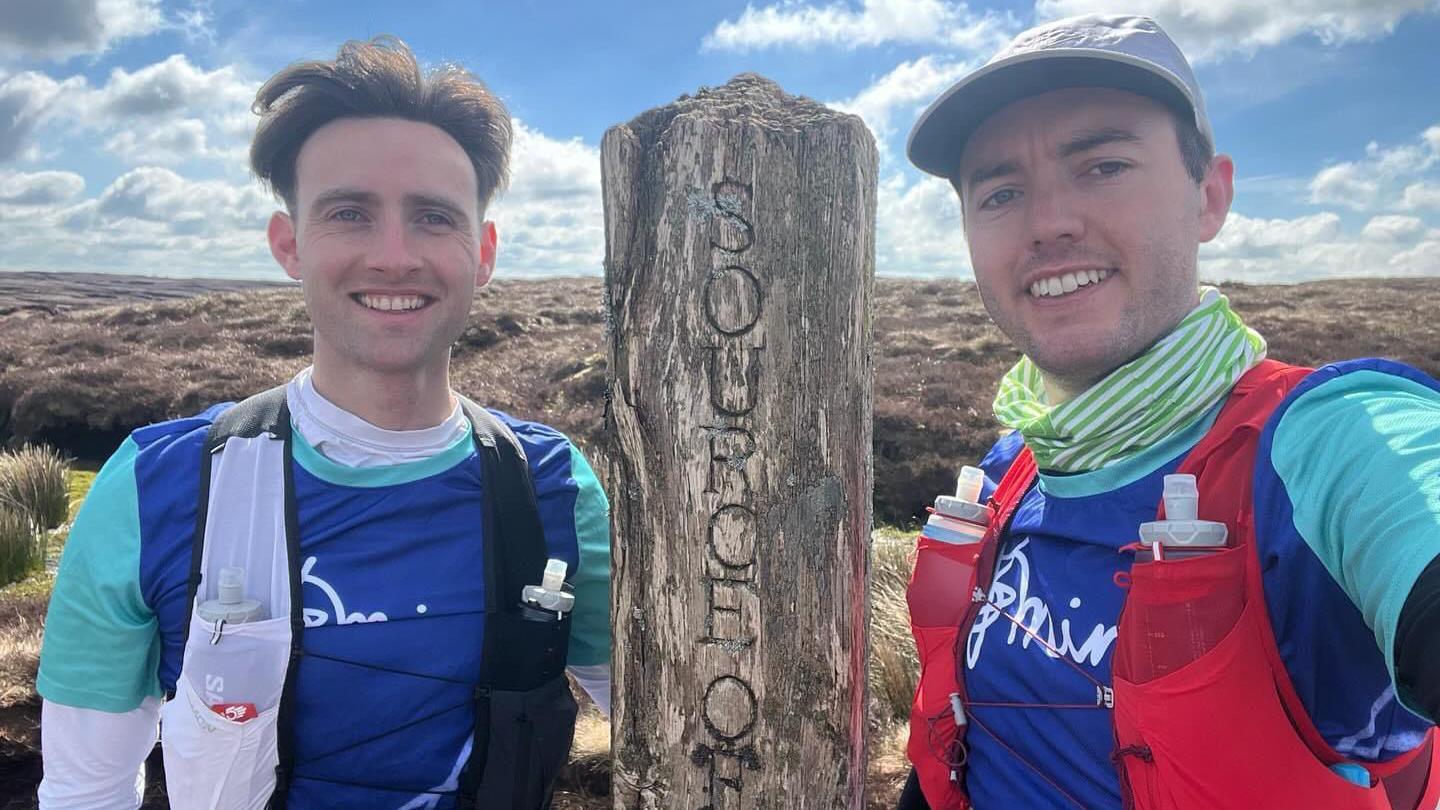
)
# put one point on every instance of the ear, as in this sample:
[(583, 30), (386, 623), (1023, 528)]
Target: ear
[(281, 233), (489, 246), (1217, 191)]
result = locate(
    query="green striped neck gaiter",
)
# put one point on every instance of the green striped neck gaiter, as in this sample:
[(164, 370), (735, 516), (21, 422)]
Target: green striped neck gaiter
[(1180, 377)]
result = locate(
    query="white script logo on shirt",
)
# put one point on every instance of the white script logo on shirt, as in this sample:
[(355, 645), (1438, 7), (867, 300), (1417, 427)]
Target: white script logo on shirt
[(1034, 614), (317, 618)]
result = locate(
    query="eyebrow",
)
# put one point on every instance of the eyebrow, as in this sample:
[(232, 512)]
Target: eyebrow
[(991, 172), (1081, 142), (339, 195), (350, 195), (1091, 139), (444, 204)]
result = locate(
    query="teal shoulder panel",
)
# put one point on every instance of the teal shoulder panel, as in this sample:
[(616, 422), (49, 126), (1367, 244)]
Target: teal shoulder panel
[(1367, 501), (101, 648), (590, 629)]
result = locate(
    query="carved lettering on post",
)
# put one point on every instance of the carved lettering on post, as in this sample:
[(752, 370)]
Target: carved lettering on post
[(734, 301), (739, 254), (730, 451)]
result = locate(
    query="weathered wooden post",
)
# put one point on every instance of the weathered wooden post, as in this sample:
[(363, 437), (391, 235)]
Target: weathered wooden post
[(739, 229)]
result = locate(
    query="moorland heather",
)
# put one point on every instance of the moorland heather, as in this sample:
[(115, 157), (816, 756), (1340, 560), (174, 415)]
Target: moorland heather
[(81, 378)]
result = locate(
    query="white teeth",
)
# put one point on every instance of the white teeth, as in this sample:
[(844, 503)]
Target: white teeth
[(1067, 283), (391, 303)]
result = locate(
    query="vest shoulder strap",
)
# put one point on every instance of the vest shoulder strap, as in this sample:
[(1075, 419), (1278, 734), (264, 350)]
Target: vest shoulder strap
[(512, 514), (518, 656), (265, 413)]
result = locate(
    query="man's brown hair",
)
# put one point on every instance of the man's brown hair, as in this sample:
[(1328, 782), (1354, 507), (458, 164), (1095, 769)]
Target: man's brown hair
[(377, 79)]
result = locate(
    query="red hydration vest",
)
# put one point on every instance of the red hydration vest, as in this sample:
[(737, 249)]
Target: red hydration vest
[(1175, 728)]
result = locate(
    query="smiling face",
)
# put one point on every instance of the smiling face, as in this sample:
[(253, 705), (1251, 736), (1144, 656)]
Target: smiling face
[(1084, 227), (388, 243)]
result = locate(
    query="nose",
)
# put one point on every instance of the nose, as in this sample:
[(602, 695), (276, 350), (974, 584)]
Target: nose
[(1054, 215), (394, 253)]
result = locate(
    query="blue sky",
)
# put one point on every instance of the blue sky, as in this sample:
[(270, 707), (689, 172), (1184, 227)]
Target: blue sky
[(124, 123)]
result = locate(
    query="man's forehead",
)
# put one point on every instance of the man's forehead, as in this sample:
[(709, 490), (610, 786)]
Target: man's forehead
[(1059, 117), (385, 157)]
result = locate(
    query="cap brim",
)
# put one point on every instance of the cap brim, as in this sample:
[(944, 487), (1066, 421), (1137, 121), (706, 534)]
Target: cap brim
[(942, 130)]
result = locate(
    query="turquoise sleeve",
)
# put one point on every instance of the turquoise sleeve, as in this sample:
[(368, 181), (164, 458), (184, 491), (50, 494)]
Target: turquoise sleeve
[(1360, 457), (590, 624), (101, 647)]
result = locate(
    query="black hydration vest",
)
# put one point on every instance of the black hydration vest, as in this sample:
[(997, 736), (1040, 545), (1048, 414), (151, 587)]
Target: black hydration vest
[(524, 711)]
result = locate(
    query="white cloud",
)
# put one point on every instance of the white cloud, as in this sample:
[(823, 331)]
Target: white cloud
[(919, 230), (1244, 236), (1392, 228), (39, 188), (1345, 184), (906, 89), (151, 221), (166, 112), (1208, 30), (59, 29), (1421, 195), (153, 194), (1316, 246), (173, 142), (1376, 180), (552, 219), (876, 22), (26, 100), (164, 88)]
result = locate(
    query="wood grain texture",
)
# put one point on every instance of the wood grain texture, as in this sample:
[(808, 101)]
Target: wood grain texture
[(739, 264)]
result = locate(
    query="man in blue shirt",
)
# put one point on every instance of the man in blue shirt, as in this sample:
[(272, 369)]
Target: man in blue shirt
[(385, 173), (1083, 159)]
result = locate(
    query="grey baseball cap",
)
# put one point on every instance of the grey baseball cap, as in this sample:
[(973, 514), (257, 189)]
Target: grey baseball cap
[(1097, 50)]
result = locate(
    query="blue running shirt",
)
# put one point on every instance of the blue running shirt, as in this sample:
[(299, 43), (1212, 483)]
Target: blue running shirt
[(1348, 514), (392, 589)]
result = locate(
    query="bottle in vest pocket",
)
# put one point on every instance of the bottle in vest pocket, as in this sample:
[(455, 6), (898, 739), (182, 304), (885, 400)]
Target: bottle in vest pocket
[(230, 608), (1190, 598), (549, 601), (1180, 534), (946, 552)]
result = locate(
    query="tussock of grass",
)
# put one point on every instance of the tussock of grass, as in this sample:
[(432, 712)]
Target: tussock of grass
[(33, 482), (894, 667), (22, 546)]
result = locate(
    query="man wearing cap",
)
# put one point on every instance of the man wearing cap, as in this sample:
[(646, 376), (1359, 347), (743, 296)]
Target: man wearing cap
[(1293, 667)]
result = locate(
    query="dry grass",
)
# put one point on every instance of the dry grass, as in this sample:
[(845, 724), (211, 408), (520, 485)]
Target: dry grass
[(81, 379), (894, 667), (22, 618), (33, 482), (22, 546)]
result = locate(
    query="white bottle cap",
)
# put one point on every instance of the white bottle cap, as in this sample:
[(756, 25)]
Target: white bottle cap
[(967, 485), (1182, 497), (232, 585), (1181, 528), (554, 575)]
